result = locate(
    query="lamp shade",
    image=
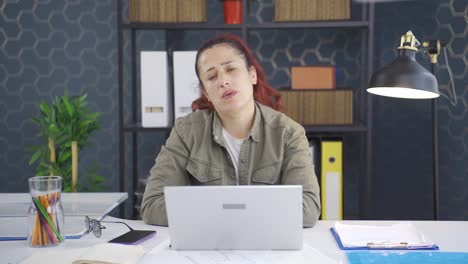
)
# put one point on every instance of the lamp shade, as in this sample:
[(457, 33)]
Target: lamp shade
[(404, 78)]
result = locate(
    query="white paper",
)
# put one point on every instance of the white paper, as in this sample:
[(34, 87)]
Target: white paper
[(360, 235), (163, 254)]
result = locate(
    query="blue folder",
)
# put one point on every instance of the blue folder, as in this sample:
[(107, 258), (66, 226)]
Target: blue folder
[(381, 247), (406, 257)]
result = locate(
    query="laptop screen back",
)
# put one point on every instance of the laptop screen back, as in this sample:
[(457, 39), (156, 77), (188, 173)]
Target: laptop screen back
[(234, 217)]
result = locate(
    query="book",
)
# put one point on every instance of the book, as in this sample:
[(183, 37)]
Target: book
[(400, 236), (105, 253)]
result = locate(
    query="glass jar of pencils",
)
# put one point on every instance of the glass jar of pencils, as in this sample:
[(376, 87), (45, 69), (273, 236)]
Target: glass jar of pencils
[(45, 215)]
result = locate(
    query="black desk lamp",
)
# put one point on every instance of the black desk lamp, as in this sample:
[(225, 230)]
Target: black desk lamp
[(406, 78)]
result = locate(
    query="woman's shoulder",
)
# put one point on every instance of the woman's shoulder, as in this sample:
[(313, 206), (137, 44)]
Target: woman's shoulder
[(193, 120)]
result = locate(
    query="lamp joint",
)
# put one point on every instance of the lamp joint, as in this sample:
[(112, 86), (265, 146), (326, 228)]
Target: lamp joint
[(432, 48), (409, 42)]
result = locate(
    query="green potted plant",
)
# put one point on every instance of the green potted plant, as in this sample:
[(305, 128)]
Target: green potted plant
[(66, 125)]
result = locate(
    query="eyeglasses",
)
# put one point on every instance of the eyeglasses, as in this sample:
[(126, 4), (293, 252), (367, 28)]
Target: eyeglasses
[(95, 226)]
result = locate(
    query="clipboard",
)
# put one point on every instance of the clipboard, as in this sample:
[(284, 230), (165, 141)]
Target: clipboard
[(381, 246)]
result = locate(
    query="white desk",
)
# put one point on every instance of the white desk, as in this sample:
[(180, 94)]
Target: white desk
[(74, 204), (318, 244), (14, 208)]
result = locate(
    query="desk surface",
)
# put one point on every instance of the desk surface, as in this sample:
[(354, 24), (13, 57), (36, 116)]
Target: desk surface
[(319, 245), (74, 204), (14, 207)]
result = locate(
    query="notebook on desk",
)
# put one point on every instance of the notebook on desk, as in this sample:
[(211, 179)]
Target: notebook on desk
[(234, 217)]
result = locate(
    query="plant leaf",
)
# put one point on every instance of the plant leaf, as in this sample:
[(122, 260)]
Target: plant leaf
[(35, 156), (67, 106)]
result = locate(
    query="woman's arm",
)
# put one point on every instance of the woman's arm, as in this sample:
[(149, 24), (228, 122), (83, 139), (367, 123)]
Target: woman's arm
[(169, 170), (298, 169)]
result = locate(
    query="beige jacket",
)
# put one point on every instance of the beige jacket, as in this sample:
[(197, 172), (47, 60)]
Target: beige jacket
[(276, 152)]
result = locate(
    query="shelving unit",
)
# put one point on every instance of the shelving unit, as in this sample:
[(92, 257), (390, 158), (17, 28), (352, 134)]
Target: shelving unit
[(362, 126)]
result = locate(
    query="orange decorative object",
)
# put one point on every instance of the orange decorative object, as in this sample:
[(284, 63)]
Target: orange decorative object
[(232, 11)]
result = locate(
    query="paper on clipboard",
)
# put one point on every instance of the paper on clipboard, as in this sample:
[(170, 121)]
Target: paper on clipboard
[(397, 236)]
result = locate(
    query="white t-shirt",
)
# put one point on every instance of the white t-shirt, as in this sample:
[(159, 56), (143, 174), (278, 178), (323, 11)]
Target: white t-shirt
[(233, 147)]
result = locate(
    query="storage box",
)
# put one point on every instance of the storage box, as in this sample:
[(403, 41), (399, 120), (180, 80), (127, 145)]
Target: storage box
[(313, 77), (309, 10), (191, 10), (186, 84), (156, 109), (167, 11), (319, 107)]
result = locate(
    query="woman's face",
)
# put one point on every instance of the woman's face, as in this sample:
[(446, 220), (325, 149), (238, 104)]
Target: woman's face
[(227, 81)]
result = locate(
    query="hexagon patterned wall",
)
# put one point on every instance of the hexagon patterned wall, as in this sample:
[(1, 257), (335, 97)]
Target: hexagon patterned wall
[(47, 47), (402, 164)]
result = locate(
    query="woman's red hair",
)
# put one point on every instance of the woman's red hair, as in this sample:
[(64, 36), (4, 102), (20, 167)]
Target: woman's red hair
[(263, 93)]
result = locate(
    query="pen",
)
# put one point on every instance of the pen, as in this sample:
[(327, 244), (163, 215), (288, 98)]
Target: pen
[(386, 245)]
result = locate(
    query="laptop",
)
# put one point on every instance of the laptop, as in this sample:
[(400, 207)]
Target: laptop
[(234, 217)]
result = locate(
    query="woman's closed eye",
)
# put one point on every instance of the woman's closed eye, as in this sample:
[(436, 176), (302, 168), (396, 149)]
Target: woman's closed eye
[(211, 77)]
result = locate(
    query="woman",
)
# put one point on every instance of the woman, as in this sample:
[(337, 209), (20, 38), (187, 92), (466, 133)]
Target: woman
[(237, 138)]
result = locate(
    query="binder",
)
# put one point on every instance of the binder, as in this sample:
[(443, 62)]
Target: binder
[(332, 180), (401, 236), (154, 89), (312, 151), (186, 84)]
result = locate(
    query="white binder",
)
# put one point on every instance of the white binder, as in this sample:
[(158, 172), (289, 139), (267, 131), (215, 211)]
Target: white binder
[(154, 90), (186, 84)]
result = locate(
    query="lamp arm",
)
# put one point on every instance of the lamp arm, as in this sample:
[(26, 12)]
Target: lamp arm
[(454, 101), (432, 49)]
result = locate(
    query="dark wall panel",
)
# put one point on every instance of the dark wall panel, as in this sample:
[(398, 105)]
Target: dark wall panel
[(402, 154)]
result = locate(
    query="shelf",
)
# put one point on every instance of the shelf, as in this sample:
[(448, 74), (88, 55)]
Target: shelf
[(279, 25), (334, 128), (138, 127), (180, 26), (308, 128), (315, 24)]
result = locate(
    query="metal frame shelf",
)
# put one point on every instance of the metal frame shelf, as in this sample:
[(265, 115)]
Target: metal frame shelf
[(203, 26), (362, 126)]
